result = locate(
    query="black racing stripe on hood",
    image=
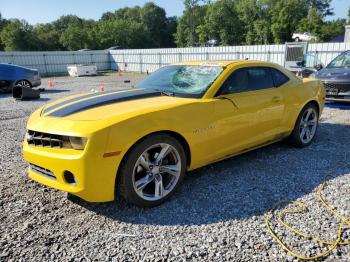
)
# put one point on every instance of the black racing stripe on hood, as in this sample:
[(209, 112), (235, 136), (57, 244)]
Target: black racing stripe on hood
[(104, 100), (75, 99)]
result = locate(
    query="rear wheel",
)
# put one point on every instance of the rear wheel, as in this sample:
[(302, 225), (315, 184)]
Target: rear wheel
[(5, 87), (306, 127), (152, 171)]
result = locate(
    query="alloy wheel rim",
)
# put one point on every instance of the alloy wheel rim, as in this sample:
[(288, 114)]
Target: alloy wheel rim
[(23, 84), (308, 125), (156, 172)]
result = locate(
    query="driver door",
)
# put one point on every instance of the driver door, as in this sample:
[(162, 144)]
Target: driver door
[(249, 110)]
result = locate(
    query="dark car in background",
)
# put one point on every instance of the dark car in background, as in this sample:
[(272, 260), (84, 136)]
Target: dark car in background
[(13, 75), (310, 65), (336, 78)]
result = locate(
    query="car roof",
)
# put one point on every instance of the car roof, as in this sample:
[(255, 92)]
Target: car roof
[(14, 66), (225, 63)]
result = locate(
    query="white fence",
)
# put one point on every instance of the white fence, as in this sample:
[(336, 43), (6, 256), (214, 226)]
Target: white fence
[(55, 63), (143, 60)]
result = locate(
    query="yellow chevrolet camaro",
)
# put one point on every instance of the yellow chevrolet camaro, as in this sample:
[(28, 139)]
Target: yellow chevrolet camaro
[(139, 142)]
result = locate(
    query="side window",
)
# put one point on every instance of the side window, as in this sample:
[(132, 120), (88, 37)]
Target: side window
[(6, 72), (248, 79), (278, 77)]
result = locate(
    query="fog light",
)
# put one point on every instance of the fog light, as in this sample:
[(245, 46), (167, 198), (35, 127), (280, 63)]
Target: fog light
[(69, 178)]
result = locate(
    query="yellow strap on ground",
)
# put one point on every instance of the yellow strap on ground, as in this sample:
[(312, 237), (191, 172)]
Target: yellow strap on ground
[(302, 208)]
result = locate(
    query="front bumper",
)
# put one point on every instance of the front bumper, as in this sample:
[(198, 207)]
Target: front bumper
[(337, 91), (36, 83), (94, 175)]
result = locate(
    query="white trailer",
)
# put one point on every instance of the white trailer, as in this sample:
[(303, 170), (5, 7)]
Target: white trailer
[(82, 70)]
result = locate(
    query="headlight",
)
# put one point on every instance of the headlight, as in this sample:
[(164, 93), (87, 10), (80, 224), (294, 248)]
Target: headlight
[(77, 143), (36, 138)]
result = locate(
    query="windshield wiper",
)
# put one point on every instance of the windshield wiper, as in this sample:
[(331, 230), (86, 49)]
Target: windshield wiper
[(165, 93)]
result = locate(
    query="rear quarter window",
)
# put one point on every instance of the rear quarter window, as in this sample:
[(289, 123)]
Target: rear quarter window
[(278, 77)]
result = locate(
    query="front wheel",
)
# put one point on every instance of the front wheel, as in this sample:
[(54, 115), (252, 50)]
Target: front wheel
[(152, 171), (306, 126)]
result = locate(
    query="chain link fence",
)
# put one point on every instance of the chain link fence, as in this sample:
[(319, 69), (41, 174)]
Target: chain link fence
[(149, 60)]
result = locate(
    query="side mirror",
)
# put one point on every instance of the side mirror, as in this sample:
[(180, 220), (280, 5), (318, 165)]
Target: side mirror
[(318, 67), (301, 63)]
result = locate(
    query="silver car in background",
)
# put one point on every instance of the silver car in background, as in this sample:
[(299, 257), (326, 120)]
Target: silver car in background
[(14, 75)]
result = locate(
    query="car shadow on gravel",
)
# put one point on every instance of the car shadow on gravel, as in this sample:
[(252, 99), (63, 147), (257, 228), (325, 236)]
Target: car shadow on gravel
[(41, 99), (5, 95), (244, 186)]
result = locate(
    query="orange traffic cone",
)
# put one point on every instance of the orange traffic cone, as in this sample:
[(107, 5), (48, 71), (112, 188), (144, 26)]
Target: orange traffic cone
[(50, 84)]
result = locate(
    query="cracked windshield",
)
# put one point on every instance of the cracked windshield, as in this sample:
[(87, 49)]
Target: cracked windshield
[(182, 80)]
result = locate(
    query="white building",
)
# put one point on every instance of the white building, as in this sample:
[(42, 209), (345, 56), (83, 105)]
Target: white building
[(347, 34)]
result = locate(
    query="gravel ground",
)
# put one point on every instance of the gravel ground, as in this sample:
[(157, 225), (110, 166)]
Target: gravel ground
[(217, 215)]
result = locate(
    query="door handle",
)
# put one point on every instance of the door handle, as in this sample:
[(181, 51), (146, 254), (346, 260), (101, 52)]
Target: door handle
[(276, 99)]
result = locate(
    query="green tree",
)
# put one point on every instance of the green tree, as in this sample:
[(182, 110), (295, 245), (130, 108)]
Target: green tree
[(169, 38), (2, 25), (107, 16), (17, 35), (47, 37), (158, 28), (221, 23), (2, 22), (286, 15), (66, 21), (332, 29), (74, 38), (126, 34), (313, 23), (256, 18), (248, 13), (154, 19), (129, 13), (233, 22), (192, 9), (186, 33), (323, 6)]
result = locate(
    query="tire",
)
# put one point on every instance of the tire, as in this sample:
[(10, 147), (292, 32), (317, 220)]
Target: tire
[(24, 83), (6, 88), (306, 127), (145, 178)]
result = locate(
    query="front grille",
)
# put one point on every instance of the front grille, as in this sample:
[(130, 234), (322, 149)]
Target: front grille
[(43, 139), (339, 87), (42, 171)]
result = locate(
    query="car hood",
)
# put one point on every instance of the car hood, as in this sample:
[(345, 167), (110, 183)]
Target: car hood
[(119, 105), (335, 74)]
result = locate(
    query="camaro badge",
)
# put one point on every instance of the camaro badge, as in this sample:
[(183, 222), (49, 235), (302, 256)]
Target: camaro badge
[(204, 129)]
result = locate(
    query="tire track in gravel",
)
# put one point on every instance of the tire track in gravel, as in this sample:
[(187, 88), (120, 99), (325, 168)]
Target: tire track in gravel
[(11, 114)]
